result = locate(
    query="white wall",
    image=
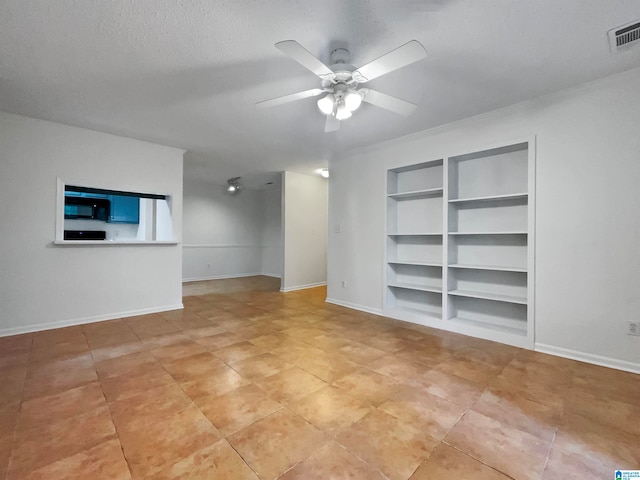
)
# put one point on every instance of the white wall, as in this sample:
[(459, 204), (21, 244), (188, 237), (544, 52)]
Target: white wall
[(271, 233), (43, 285), (304, 230), (225, 235), (587, 226)]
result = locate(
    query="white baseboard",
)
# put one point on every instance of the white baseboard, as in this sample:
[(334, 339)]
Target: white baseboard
[(302, 287), (272, 275), (588, 358), (355, 306), (220, 277), (229, 275), (38, 327)]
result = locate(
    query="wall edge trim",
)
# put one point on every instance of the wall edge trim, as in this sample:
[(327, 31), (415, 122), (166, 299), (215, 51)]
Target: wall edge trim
[(588, 358), (229, 275), (302, 287), (39, 327), (355, 306)]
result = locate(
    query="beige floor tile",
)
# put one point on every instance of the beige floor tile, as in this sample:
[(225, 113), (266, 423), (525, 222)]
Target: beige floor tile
[(469, 369), (238, 408), (570, 466), (213, 383), (290, 384), (450, 387), (327, 366), (369, 386), (621, 415), (212, 462), (137, 362), (114, 351), (12, 380), (519, 412), (189, 367), (399, 368), (447, 462), (393, 446), (8, 416), (330, 409), (59, 439), (238, 351), (262, 365), (334, 462), (150, 326), (177, 350), (516, 453), (56, 376), (131, 384), (219, 340), (102, 461), (162, 400), (274, 444), (6, 443), (432, 414), (69, 403), (152, 443), (601, 443)]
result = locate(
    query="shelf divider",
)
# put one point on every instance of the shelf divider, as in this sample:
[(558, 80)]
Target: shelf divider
[(489, 296), (490, 198), (489, 267)]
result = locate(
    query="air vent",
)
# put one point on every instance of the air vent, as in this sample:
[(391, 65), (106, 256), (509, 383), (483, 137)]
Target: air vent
[(623, 37)]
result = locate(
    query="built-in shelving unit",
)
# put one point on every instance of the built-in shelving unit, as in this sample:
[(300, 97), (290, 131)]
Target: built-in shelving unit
[(414, 239), (459, 242)]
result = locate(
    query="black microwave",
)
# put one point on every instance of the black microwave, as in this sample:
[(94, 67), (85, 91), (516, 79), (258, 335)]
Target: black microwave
[(86, 208)]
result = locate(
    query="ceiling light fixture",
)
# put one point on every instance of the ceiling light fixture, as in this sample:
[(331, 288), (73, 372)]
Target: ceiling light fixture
[(324, 172), (326, 103), (340, 102), (234, 185)]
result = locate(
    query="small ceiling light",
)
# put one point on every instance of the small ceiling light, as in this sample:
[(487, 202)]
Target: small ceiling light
[(342, 112), (352, 100), (326, 103), (324, 172), (234, 185)]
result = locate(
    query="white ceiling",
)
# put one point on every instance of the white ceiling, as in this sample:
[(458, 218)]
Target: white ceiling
[(187, 73)]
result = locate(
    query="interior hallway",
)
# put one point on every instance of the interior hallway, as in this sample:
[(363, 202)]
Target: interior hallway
[(251, 383)]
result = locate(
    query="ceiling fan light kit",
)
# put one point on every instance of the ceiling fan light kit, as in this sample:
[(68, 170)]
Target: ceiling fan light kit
[(340, 81), (233, 186)]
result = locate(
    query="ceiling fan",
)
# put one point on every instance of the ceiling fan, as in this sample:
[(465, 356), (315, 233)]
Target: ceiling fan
[(340, 82)]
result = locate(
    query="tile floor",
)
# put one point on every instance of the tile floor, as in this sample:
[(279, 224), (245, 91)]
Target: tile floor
[(248, 384)]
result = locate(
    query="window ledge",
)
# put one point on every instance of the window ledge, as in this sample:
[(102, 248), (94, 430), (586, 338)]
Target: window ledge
[(114, 242)]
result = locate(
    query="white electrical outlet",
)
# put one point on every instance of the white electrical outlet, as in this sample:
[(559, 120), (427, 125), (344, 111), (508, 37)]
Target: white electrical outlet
[(633, 328)]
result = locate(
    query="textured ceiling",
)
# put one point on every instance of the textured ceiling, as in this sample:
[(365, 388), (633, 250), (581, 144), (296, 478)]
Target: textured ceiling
[(187, 73)]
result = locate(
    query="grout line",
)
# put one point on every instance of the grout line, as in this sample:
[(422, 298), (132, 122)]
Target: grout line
[(478, 460), (546, 461)]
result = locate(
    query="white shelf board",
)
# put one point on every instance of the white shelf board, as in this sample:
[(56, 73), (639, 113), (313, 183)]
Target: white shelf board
[(416, 193), (522, 332), (415, 234), (418, 315), (411, 286), (489, 233), (498, 268), (489, 296), (491, 198), (409, 262)]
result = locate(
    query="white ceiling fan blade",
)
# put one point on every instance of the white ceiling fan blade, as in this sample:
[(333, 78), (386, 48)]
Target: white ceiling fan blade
[(388, 102), (304, 58), (332, 124), (400, 57), (290, 98)]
